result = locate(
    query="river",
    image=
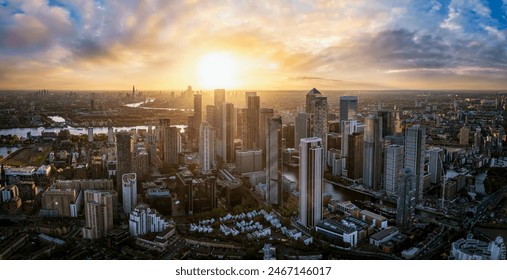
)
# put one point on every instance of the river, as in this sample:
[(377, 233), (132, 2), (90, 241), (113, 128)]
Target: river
[(37, 131)]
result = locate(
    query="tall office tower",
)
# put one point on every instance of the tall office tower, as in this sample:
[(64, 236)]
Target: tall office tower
[(348, 108), (436, 167), (303, 127), (265, 114), (98, 213), (388, 126), (288, 135), (405, 207), (143, 220), (194, 122), (110, 135), (129, 189), (274, 161), (206, 147), (171, 144), (228, 150), (317, 105), (311, 177), (124, 153), (197, 109), (310, 97), (210, 115), (242, 125), (393, 166), (354, 161), (90, 134), (372, 157), (347, 128), (252, 139), (464, 133), (415, 139), (163, 124), (219, 111), (247, 95)]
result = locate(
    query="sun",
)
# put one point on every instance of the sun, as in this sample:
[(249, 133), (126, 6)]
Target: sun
[(218, 70)]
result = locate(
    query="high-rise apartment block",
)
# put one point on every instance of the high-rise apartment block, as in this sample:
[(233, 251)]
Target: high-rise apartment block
[(311, 177), (415, 140)]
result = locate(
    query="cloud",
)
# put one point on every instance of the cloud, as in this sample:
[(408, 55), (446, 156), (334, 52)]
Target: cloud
[(333, 42)]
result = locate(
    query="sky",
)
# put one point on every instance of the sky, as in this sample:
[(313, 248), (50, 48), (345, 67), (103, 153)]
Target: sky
[(263, 45)]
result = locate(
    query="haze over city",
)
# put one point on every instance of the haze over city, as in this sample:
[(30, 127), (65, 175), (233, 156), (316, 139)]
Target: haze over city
[(167, 45)]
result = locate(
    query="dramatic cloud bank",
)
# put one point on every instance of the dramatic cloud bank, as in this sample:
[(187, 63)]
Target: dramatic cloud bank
[(299, 44)]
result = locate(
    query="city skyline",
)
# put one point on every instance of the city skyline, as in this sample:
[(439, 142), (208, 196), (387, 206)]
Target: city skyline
[(92, 45)]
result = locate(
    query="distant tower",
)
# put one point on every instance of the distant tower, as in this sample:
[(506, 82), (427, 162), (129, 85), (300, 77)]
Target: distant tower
[(311, 176), (247, 95), (90, 134), (415, 140), (372, 157), (98, 213), (348, 108), (206, 147), (129, 189), (228, 133), (406, 199), (133, 91), (274, 161), (110, 135), (393, 166)]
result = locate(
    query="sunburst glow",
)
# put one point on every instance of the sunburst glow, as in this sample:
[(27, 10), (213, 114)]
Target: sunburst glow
[(218, 70)]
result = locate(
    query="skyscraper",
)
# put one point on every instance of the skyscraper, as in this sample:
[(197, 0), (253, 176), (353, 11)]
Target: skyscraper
[(265, 115), (302, 127), (436, 165), (348, 108), (388, 125), (228, 149), (98, 213), (206, 147), (347, 128), (372, 157), (197, 109), (124, 152), (171, 144), (311, 175), (252, 139), (405, 208), (354, 161), (316, 104), (415, 140), (274, 161), (219, 109), (129, 189), (393, 167)]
